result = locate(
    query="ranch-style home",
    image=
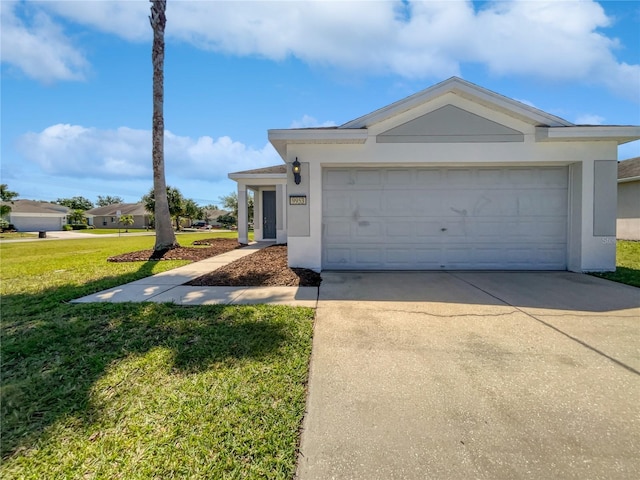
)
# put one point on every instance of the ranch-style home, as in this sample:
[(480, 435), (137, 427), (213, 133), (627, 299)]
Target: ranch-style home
[(34, 215), (109, 215), (455, 177)]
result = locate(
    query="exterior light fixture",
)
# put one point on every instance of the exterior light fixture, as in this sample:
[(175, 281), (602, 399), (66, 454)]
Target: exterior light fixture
[(295, 168)]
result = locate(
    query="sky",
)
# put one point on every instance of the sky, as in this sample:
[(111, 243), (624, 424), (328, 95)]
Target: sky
[(76, 79)]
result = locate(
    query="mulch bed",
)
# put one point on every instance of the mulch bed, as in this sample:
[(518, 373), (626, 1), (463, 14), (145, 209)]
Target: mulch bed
[(265, 268), (216, 246)]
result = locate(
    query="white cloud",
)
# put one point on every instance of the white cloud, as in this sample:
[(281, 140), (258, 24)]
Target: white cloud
[(550, 40), (308, 121), (126, 18), (589, 119), (125, 153), (36, 45)]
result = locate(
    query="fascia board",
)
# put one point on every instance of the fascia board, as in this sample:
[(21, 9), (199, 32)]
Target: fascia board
[(347, 135), (275, 176), (619, 134), (281, 138), (628, 179)]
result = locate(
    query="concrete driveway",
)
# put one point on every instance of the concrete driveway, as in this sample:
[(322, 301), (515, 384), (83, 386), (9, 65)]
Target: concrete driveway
[(473, 376)]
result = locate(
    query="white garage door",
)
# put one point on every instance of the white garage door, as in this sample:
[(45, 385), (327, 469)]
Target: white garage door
[(445, 218), (34, 224)]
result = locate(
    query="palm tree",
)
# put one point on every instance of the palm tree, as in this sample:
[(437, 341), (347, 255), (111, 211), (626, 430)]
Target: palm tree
[(127, 221), (165, 236)]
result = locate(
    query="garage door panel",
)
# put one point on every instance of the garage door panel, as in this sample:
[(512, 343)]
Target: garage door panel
[(336, 178), (369, 228), (445, 218), (336, 204), (368, 176), (428, 176), (401, 177), (396, 230), (457, 177)]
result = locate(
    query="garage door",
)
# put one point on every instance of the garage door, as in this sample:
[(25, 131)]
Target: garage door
[(444, 218), (34, 224)]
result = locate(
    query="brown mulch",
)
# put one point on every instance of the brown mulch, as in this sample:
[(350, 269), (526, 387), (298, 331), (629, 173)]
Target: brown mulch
[(216, 246), (265, 268)]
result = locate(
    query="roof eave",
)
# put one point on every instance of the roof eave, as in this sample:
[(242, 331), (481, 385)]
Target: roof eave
[(238, 176), (610, 133), (283, 137), (629, 179)]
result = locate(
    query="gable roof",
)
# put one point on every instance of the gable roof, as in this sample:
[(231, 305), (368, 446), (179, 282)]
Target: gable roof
[(467, 90), (629, 170), (123, 208), (37, 207), (549, 128)]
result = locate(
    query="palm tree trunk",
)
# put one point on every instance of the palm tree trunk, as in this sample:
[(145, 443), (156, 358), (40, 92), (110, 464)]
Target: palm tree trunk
[(165, 236)]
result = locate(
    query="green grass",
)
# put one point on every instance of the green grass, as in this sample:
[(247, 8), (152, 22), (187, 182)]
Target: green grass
[(141, 390), (104, 231), (16, 235), (627, 264)]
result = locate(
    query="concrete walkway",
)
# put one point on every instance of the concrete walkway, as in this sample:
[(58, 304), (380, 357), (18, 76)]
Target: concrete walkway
[(483, 375), (169, 287)]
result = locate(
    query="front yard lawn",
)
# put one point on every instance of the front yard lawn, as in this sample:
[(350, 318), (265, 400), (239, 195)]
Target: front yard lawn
[(141, 390), (627, 264)]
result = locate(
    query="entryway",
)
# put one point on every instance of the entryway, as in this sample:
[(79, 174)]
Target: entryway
[(269, 215)]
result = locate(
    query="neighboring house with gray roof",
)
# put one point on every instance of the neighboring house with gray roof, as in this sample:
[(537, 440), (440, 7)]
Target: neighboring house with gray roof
[(108, 217), (34, 215), (628, 224), (211, 217)]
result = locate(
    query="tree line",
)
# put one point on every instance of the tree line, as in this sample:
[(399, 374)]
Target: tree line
[(179, 206)]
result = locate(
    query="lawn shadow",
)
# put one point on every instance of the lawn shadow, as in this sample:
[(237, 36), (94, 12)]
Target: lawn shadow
[(630, 276), (54, 352)]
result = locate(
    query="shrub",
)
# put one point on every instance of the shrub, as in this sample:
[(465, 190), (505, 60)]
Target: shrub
[(226, 220), (79, 227), (67, 227)]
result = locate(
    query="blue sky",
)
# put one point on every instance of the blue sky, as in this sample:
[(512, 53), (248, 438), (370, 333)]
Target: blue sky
[(76, 79)]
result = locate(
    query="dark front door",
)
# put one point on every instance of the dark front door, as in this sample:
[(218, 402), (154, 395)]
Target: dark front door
[(269, 214)]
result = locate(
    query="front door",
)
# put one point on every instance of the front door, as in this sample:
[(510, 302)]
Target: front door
[(269, 215)]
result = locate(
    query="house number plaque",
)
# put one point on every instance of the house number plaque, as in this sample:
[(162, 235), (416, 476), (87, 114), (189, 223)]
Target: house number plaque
[(297, 199)]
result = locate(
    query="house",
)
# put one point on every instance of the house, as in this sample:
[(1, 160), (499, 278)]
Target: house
[(453, 177), (628, 222), (211, 216), (34, 215), (108, 216)]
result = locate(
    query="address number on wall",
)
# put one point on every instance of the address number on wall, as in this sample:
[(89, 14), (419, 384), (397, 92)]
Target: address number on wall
[(297, 199)]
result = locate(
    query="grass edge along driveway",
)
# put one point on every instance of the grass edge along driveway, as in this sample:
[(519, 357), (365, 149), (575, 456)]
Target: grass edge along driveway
[(627, 264), (141, 390)]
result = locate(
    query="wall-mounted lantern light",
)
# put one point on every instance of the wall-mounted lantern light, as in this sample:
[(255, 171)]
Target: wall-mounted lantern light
[(295, 168)]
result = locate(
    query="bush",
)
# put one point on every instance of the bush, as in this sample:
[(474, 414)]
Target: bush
[(5, 226), (66, 228), (227, 220), (79, 227)]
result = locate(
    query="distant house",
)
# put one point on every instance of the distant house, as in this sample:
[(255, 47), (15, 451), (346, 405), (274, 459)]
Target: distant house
[(211, 217), (628, 224), (34, 215), (108, 217)]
